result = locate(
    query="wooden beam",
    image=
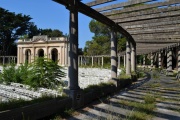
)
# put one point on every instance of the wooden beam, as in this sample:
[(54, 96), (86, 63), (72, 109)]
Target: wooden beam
[(122, 4), (157, 36), (159, 40), (98, 2), (168, 31), (145, 12), (143, 7), (149, 17), (149, 25), (153, 21)]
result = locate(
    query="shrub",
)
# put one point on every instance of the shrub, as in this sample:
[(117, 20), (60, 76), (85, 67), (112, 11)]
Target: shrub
[(42, 72), (9, 73)]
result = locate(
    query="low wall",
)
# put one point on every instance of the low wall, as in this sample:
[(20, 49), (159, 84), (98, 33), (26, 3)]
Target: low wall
[(37, 111), (47, 108)]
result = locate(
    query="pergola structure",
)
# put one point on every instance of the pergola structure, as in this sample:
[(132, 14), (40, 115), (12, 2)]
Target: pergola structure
[(149, 25)]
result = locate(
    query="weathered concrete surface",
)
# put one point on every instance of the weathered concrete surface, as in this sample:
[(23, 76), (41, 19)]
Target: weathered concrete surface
[(166, 108)]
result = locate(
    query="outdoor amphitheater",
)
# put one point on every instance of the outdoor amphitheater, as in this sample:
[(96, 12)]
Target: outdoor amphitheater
[(141, 82)]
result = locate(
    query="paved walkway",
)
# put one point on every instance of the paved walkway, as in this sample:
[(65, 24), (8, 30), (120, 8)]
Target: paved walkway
[(117, 107)]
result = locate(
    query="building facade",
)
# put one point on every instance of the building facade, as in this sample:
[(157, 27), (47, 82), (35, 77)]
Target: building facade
[(55, 48)]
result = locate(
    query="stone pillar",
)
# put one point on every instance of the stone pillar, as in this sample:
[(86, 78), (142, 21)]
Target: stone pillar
[(98, 61), (73, 51), (133, 58), (128, 58), (144, 61), (92, 61), (169, 61), (124, 61), (81, 60), (78, 60), (102, 61), (159, 59), (152, 61), (18, 56), (113, 55), (119, 57), (178, 60)]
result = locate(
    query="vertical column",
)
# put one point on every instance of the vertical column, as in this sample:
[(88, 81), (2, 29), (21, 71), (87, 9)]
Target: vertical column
[(18, 56), (92, 61), (169, 60), (98, 61), (124, 61), (113, 55), (81, 60), (128, 58), (78, 60), (144, 61), (159, 59), (119, 57), (133, 58), (152, 61), (102, 61), (73, 51), (178, 60)]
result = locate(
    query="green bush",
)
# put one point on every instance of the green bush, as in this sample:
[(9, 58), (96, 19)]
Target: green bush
[(9, 73), (42, 72)]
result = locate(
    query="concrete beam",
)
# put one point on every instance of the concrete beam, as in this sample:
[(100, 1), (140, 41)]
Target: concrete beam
[(143, 7), (122, 4), (98, 2), (151, 22), (149, 17), (144, 12)]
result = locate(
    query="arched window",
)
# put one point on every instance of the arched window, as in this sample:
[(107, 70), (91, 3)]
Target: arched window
[(54, 53), (40, 53)]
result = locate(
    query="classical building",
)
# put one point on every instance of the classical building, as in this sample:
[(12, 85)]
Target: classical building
[(54, 48)]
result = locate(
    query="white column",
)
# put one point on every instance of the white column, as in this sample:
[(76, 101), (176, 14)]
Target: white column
[(102, 61), (128, 58), (92, 61), (178, 60), (124, 61), (169, 60), (113, 55), (159, 59), (133, 58), (152, 61)]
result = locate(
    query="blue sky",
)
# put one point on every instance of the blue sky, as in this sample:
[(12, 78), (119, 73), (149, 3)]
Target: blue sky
[(49, 14)]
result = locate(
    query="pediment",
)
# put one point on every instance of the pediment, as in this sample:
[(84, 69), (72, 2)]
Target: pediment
[(41, 38)]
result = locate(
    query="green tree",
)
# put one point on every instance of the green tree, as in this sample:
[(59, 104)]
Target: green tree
[(12, 26), (100, 43), (52, 33)]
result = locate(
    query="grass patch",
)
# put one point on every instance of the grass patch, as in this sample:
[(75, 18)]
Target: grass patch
[(149, 99), (140, 111), (154, 85), (136, 115), (97, 87)]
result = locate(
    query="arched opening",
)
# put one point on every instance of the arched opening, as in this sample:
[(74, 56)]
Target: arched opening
[(28, 56), (54, 53), (40, 53)]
